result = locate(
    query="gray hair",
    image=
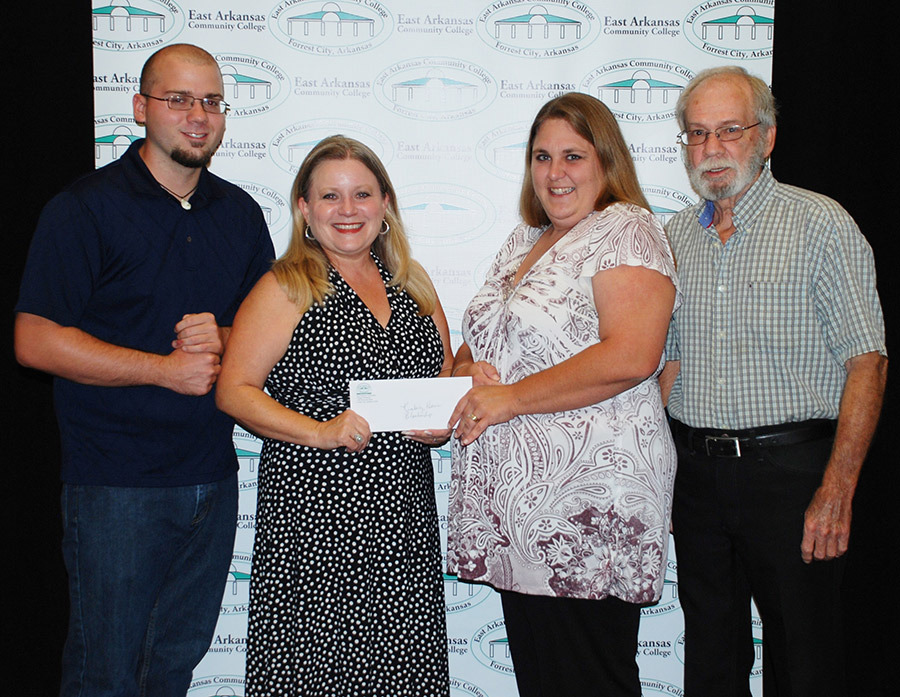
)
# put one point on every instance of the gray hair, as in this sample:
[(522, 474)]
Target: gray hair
[(762, 101)]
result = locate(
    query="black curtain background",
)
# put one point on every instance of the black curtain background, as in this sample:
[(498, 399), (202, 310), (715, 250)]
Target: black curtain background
[(48, 111), (831, 79)]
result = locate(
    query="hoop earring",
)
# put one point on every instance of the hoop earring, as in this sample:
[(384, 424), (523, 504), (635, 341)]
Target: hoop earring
[(385, 227), (307, 233)]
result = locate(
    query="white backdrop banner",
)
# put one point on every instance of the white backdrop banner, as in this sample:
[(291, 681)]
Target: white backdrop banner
[(444, 93)]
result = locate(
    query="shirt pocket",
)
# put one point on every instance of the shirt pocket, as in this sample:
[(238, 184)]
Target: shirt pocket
[(774, 314)]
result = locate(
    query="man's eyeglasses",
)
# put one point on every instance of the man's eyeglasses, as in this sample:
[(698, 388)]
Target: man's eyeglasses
[(698, 136), (185, 102)]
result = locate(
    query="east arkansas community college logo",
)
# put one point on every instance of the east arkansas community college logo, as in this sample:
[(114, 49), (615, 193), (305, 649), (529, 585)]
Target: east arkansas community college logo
[(535, 30), (342, 28), (736, 30), (121, 25)]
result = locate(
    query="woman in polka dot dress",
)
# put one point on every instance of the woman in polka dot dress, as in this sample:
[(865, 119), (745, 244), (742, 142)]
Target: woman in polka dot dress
[(346, 597)]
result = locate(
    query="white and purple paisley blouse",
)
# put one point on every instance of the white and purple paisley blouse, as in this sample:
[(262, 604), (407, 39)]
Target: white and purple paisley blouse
[(576, 503)]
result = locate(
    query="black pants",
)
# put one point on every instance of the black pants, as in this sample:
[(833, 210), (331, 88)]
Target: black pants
[(738, 524), (566, 647)]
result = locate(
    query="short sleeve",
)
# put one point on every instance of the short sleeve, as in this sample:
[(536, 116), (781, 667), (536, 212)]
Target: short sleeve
[(844, 289), (627, 235), (63, 263), (260, 261)]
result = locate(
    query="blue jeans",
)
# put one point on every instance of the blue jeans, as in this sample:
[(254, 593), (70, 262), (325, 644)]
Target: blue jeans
[(147, 569)]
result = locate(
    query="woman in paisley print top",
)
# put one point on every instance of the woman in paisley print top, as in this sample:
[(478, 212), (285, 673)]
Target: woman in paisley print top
[(563, 461)]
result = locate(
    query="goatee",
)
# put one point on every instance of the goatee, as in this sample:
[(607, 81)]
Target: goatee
[(194, 159)]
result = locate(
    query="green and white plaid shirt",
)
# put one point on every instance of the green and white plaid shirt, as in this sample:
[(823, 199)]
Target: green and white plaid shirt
[(770, 317)]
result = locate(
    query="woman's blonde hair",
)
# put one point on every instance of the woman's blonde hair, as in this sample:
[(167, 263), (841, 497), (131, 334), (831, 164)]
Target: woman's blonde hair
[(592, 120), (302, 271)]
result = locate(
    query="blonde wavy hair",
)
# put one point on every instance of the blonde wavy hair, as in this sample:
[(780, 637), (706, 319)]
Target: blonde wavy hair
[(302, 271)]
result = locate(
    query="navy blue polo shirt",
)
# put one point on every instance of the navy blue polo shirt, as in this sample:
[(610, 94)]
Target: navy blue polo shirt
[(119, 258)]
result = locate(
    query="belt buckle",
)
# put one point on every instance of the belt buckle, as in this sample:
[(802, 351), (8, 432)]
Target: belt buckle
[(722, 446)]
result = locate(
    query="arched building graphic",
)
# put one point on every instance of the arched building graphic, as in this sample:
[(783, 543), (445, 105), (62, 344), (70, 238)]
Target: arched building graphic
[(663, 213), (639, 88), (745, 21), (509, 156), (501, 644), (422, 216), (112, 145), (237, 84), (454, 588), (120, 14), (538, 20), (434, 90), (248, 458), (236, 577), (440, 459), (331, 17), (297, 152)]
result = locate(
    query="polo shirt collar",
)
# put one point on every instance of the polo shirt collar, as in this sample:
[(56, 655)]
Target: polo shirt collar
[(140, 177)]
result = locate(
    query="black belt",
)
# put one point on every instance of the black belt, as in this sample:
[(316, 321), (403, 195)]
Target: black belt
[(737, 442)]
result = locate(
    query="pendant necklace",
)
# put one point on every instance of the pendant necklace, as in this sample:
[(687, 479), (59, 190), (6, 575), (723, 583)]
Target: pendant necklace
[(184, 199)]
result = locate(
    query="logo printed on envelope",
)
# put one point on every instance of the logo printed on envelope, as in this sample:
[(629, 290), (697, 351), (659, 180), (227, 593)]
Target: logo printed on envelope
[(403, 405)]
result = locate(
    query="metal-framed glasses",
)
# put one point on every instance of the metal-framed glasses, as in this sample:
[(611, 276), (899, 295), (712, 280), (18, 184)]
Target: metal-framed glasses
[(697, 136), (185, 102)]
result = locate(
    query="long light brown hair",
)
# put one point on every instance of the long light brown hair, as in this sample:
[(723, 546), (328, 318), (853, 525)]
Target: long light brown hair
[(592, 120)]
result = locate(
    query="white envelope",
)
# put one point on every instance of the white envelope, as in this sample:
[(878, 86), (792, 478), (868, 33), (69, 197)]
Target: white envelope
[(401, 405)]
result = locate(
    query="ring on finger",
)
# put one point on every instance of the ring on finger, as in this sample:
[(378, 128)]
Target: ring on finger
[(474, 418), (358, 437)]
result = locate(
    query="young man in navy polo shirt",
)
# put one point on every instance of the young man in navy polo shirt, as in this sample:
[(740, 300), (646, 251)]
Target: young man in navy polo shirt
[(134, 275)]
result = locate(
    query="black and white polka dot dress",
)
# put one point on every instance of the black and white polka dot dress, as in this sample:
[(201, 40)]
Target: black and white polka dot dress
[(346, 596)]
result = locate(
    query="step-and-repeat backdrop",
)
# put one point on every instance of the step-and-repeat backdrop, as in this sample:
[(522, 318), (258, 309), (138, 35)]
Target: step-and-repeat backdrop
[(444, 92)]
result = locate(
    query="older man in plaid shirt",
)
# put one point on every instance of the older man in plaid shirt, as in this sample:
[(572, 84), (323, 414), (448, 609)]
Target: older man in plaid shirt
[(776, 370)]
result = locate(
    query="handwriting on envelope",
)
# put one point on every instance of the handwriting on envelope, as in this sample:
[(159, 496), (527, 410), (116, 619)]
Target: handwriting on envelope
[(413, 404)]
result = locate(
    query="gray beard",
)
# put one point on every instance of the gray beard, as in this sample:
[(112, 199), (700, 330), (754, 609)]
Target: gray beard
[(744, 176)]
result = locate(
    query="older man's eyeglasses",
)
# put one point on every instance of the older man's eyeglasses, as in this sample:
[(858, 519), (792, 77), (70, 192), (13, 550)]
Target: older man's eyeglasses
[(697, 136), (185, 102)]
